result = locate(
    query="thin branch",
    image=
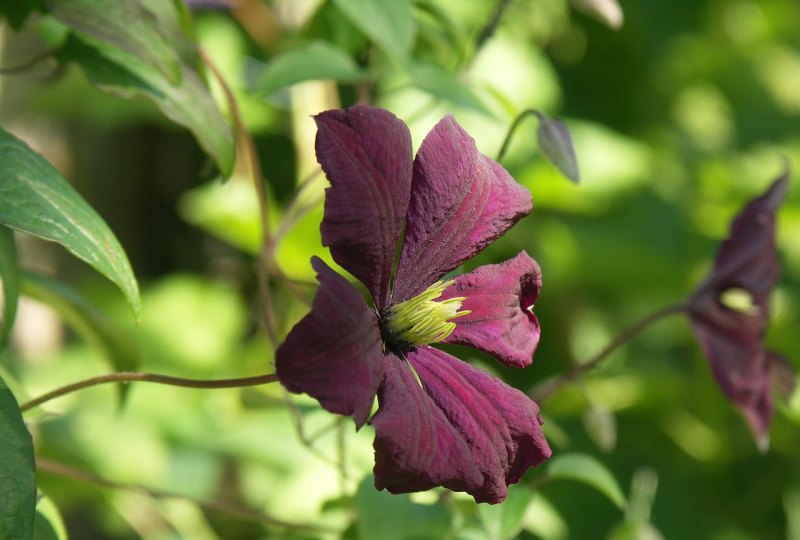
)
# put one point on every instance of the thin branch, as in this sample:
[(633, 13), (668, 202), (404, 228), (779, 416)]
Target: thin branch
[(138, 376), (549, 388), (28, 64), (222, 507), (246, 149), (514, 125), (492, 24)]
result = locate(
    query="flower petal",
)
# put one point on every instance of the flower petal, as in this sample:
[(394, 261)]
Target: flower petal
[(500, 298), (366, 154), (334, 353), (416, 447), (467, 421), (742, 371), (461, 201)]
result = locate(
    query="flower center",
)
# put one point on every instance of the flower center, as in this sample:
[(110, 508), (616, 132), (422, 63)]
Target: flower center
[(740, 300), (421, 320)]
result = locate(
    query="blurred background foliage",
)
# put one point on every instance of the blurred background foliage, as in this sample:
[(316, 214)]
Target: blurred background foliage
[(678, 118)]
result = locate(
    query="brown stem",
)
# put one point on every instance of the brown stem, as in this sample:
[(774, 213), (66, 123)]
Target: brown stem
[(28, 64), (246, 514), (549, 388), (492, 24), (138, 376), (247, 158)]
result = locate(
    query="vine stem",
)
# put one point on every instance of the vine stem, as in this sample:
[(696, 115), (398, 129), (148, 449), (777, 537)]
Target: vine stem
[(138, 376), (246, 514), (514, 125), (549, 388)]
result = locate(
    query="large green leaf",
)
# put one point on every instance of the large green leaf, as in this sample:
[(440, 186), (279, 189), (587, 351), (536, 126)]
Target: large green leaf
[(118, 346), (387, 23), (315, 60), (188, 103), (17, 471), (9, 274), (586, 469), (35, 198), (125, 24), (394, 517)]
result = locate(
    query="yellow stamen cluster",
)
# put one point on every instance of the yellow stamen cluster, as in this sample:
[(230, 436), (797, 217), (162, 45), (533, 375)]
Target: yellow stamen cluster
[(421, 320), (740, 300)]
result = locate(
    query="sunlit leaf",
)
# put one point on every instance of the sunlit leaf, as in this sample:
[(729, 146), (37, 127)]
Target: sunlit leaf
[(442, 84), (125, 24), (313, 61), (586, 469), (555, 143), (608, 12), (601, 426), (37, 200), (387, 23), (17, 471), (188, 103), (503, 521), (47, 523), (9, 275), (89, 322), (385, 516)]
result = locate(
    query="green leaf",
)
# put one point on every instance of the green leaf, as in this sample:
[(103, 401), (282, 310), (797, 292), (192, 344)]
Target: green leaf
[(387, 23), (89, 322), (9, 275), (445, 85), (555, 143), (17, 11), (47, 523), (313, 61), (35, 198), (588, 470), (505, 521), (394, 517), (17, 471), (124, 24), (188, 103)]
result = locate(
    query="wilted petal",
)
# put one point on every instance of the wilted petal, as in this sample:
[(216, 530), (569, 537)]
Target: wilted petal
[(461, 201), (730, 309), (781, 375), (500, 298), (334, 353), (497, 425), (366, 154), (742, 371), (416, 447)]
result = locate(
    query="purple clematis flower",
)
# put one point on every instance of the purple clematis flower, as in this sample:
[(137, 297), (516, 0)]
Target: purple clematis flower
[(729, 312), (440, 422)]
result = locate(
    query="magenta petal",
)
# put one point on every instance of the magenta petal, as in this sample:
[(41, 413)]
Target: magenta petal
[(461, 201), (466, 421), (334, 353), (416, 448), (366, 154), (500, 298)]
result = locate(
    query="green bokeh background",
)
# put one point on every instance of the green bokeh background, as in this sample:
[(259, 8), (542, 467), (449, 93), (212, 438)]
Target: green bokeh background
[(678, 118)]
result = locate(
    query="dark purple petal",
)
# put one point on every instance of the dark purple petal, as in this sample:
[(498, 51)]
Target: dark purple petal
[(366, 154), (334, 354), (741, 368), (416, 448), (465, 422), (500, 298), (461, 201), (732, 337), (781, 374)]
